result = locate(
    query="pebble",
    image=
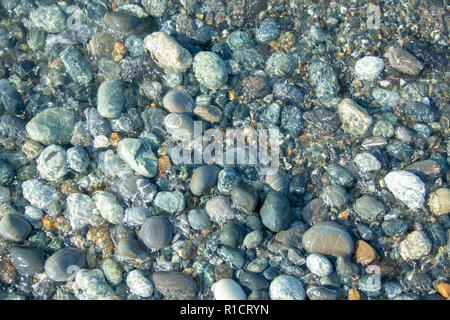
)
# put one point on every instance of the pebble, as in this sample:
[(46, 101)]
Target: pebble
[(44, 197), (239, 39), (110, 99), (61, 265), (138, 156), (253, 239), (323, 79), (386, 98), (198, 219), (314, 211), (232, 234), (319, 264), (5, 195), (227, 179), (14, 228), (135, 216), (6, 173), (403, 61), (249, 58), (255, 87), (180, 126), (415, 246), (268, 30), (112, 271), (171, 202), (364, 253), (366, 162), (52, 163), (394, 227), (167, 52), (80, 209), (93, 285), (211, 114), (130, 251), (228, 289), (233, 256), (345, 268), (275, 212), (155, 8), (418, 111), (406, 187), (210, 70), (355, 119), (10, 101), (244, 198), (108, 206), (369, 209), (76, 66), (319, 122), (439, 201), (369, 68), (51, 126), (48, 18), (203, 179), (339, 175), (279, 64), (278, 180), (286, 287), (77, 159), (334, 196), (139, 284), (321, 293), (219, 210), (97, 125), (175, 285), (156, 232), (27, 261), (178, 101), (383, 128), (328, 238), (121, 21)]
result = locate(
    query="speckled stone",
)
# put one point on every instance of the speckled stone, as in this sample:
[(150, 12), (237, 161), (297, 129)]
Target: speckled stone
[(415, 246), (167, 52), (406, 187)]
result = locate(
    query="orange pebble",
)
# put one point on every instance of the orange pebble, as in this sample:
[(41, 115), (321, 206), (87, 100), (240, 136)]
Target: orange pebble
[(444, 290), (354, 294)]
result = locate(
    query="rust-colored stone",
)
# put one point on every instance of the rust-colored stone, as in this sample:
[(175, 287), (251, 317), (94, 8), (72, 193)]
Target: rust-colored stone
[(364, 253), (102, 240), (444, 290)]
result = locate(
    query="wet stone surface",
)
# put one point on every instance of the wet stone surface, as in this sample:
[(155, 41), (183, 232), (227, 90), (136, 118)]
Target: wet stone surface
[(105, 193)]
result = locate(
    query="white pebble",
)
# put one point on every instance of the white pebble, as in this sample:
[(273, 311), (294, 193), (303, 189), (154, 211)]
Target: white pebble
[(139, 284), (228, 289), (368, 68)]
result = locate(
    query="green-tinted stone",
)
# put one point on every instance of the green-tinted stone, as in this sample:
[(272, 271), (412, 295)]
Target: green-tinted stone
[(139, 156), (76, 66), (52, 126), (170, 201)]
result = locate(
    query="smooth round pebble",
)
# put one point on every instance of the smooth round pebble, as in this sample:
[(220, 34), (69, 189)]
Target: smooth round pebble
[(319, 264), (285, 287), (228, 289)]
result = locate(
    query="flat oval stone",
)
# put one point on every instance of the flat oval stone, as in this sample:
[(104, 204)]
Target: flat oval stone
[(156, 232), (175, 285), (179, 125), (121, 21), (203, 178), (178, 101), (328, 238), (59, 265), (199, 219), (27, 261), (110, 99), (14, 228), (228, 289), (407, 187)]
